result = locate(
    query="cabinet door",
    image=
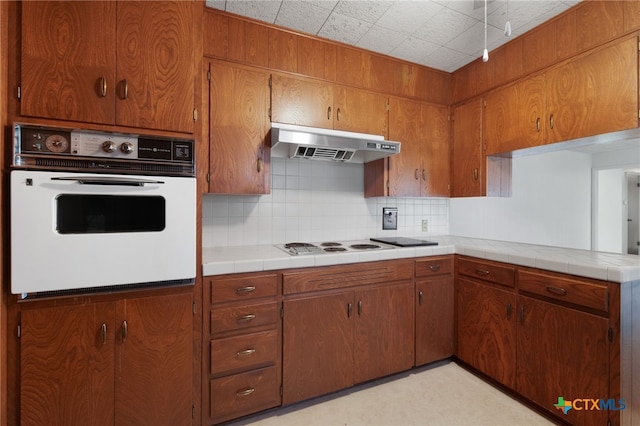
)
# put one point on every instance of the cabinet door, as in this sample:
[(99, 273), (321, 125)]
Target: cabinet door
[(434, 319), (155, 65), (487, 330), (405, 118), (68, 58), (384, 331), (515, 116), (300, 101), (67, 365), (154, 348), (360, 111), (317, 352), (239, 125), (595, 94), (562, 352), (436, 166), (467, 174)]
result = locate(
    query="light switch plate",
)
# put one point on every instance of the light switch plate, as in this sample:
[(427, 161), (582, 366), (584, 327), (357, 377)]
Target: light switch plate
[(389, 218)]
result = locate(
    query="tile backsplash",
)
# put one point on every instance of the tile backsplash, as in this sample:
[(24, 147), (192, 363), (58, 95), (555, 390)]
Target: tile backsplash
[(315, 201)]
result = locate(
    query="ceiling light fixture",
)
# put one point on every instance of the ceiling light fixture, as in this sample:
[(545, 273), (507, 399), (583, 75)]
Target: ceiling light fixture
[(485, 54), (507, 26)]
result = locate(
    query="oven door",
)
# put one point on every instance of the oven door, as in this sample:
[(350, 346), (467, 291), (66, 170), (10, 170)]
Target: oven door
[(80, 230)]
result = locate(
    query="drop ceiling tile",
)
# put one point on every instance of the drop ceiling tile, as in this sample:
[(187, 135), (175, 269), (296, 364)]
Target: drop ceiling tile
[(381, 40), (369, 11), (471, 41), (304, 16), (408, 16), (344, 28), (414, 49), (216, 4), (472, 8), (446, 59), (264, 10), (444, 26)]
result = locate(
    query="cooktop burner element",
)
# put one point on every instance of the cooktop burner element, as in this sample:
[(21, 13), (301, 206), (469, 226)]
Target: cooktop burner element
[(334, 249), (331, 244), (364, 246), (302, 248)]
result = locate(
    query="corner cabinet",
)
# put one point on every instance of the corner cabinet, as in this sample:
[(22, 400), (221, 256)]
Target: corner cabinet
[(117, 63), (593, 94), (239, 153), (422, 169), (105, 363)]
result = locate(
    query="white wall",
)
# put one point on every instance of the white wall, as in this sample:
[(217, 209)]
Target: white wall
[(550, 204), (314, 201), (608, 211)]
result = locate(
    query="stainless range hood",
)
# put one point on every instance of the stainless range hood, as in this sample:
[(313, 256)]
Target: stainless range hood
[(314, 143)]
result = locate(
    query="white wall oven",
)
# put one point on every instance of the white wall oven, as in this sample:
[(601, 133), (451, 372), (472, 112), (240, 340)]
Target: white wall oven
[(99, 211)]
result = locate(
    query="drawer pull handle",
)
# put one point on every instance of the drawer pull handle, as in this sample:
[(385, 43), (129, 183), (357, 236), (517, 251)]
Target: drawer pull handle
[(349, 310), (247, 289), (246, 318), (434, 268), (103, 333), (245, 392), (482, 272), (245, 353), (557, 290)]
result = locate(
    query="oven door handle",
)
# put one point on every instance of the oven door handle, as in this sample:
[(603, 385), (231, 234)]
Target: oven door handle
[(107, 180)]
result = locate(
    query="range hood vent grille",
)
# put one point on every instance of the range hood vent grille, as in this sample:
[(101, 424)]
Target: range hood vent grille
[(313, 143)]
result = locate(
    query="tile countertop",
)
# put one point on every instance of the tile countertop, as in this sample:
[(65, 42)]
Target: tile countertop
[(603, 266)]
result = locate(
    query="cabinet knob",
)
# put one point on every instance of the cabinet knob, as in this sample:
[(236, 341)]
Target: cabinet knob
[(328, 113), (475, 174), (538, 124), (551, 121), (349, 310), (124, 89), (338, 114), (417, 174), (103, 333), (259, 165), (420, 297), (434, 268), (124, 328), (359, 307), (102, 84), (424, 175)]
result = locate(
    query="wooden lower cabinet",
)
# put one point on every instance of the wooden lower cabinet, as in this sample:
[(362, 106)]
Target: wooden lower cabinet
[(242, 357), (487, 329), (127, 362)]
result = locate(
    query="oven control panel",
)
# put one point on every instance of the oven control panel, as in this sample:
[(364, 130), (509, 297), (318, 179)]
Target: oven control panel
[(35, 145)]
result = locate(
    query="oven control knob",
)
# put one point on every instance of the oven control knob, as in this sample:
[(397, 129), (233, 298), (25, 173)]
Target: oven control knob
[(109, 146), (126, 147)]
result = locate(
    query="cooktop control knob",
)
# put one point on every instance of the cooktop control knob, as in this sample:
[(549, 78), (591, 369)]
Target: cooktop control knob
[(109, 146), (126, 147)]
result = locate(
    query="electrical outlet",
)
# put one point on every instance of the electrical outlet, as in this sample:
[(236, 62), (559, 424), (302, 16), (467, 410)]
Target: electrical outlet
[(425, 225)]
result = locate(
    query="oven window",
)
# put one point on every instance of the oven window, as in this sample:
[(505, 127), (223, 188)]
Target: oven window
[(99, 214)]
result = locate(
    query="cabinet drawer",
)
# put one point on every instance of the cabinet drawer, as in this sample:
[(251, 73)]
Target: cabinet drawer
[(434, 266), (244, 352), (241, 394), (225, 289), (493, 272), (243, 317), (330, 277), (570, 290)]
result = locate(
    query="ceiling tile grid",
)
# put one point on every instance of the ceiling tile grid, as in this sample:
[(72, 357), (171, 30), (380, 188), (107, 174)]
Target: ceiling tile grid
[(442, 34)]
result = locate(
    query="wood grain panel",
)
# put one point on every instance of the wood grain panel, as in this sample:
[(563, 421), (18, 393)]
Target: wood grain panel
[(66, 370), (244, 352), (405, 122), (539, 45), (572, 362), (233, 318), (434, 319), (381, 77), (156, 59), (63, 62), (157, 355), (283, 50), (487, 330), (439, 265), (311, 57), (467, 174), (384, 331), (631, 15), (566, 42), (347, 276), (300, 101), (228, 288), (567, 289), (436, 151), (595, 94), (317, 353), (216, 34), (361, 111), (234, 396), (598, 22), (352, 67)]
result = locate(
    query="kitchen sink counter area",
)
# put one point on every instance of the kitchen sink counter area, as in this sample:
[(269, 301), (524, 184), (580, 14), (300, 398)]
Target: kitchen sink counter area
[(598, 265)]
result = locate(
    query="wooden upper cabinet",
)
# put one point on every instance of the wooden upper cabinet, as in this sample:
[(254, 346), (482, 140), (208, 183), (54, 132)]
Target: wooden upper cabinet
[(239, 156), (467, 172), (514, 116), (422, 167), (68, 64), (315, 103), (594, 94), (122, 63)]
